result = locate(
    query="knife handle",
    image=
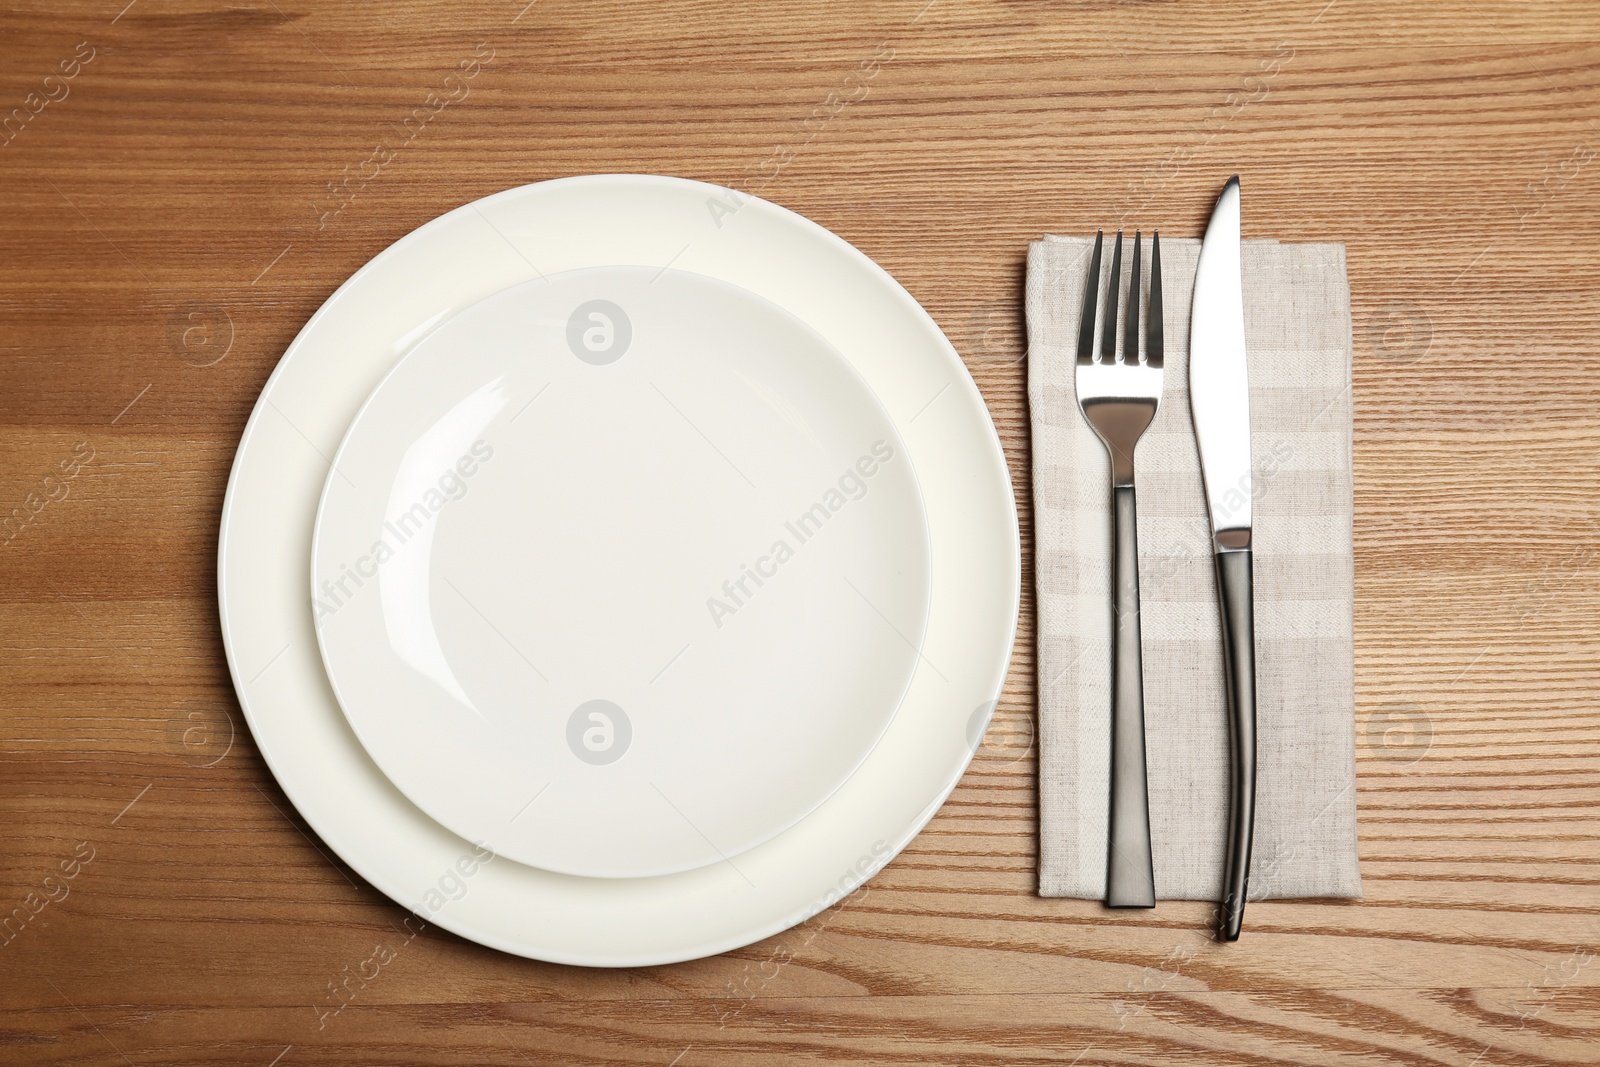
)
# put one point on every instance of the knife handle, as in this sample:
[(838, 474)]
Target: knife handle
[(1236, 598), (1130, 874)]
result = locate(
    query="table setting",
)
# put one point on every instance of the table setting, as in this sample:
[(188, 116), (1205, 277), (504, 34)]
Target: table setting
[(664, 559)]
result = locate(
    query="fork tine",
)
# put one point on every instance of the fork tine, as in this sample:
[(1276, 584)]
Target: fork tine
[(1091, 291), (1130, 332), (1153, 334), (1108, 332)]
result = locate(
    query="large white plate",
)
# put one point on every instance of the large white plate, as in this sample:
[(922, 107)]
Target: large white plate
[(513, 237), (621, 571)]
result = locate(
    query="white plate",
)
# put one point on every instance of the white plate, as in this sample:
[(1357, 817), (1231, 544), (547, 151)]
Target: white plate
[(477, 250), (621, 572)]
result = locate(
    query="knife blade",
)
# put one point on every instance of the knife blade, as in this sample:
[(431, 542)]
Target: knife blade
[(1219, 399)]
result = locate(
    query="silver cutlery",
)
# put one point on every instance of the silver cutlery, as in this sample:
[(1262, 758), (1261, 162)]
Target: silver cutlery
[(1118, 395), (1219, 396)]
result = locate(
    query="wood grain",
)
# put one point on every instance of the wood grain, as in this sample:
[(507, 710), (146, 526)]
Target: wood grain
[(169, 226)]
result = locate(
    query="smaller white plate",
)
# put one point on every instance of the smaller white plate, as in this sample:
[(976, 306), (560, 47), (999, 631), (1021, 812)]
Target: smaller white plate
[(621, 572)]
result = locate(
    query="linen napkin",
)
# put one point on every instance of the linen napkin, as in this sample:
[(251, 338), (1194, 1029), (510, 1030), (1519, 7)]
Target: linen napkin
[(1297, 331)]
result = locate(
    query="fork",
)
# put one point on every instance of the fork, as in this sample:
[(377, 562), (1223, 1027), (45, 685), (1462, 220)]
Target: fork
[(1118, 395)]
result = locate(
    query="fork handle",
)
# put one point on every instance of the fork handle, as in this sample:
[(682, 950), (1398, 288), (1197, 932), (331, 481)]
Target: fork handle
[(1235, 597), (1130, 875)]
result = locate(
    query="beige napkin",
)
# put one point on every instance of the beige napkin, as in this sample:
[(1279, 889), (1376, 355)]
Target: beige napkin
[(1297, 328)]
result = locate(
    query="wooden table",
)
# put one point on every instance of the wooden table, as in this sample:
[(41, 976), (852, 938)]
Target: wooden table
[(184, 183)]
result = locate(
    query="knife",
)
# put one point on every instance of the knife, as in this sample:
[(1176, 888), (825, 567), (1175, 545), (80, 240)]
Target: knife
[(1219, 397)]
